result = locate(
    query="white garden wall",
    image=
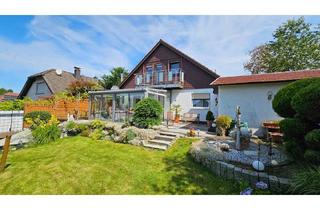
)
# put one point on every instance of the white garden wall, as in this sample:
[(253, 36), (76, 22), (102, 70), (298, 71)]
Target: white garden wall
[(11, 117), (184, 98), (253, 101)]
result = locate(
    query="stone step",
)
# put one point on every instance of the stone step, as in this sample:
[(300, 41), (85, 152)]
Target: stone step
[(175, 131), (155, 146), (164, 138), (164, 133), (160, 142)]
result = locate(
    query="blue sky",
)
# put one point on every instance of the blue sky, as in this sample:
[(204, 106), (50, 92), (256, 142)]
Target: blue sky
[(30, 44)]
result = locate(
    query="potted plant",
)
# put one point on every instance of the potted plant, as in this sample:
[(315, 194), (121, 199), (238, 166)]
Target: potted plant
[(176, 108), (209, 118), (223, 123)]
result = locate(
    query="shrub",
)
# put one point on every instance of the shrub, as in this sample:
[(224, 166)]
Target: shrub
[(147, 113), (281, 102), (97, 124), (313, 139), (294, 128), (72, 128), (36, 118), (313, 156), (294, 148), (306, 182), (223, 123), (306, 102), (13, 105), (46, 132), (210, 116), (97, 134)]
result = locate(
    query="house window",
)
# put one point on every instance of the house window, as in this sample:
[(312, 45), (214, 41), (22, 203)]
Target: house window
[(40, 88), (200, 99), (149, 70), (174, 72), (159, 73), (138, 79)]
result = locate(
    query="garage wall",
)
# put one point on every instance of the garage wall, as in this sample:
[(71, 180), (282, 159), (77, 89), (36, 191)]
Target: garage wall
[(253, 100), (184, 98)]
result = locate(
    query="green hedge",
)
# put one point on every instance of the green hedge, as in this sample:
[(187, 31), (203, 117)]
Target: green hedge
[(306, 102), (313, 139), (294, 128), (282, 100), (147, 112)]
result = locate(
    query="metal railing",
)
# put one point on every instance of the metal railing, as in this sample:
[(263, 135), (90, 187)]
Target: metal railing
[(162, 77)]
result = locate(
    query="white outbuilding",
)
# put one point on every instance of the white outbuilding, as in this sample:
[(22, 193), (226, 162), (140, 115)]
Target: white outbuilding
[(254, 94)]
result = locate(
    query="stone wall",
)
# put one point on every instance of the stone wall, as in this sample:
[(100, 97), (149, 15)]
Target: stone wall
[(232, 172), (8, 118)]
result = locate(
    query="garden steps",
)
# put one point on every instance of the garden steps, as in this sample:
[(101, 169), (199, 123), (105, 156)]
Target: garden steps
[(165, 138), (162, 141), (155, 146)]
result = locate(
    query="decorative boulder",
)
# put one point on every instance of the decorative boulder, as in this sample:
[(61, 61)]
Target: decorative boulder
[(258, 165)]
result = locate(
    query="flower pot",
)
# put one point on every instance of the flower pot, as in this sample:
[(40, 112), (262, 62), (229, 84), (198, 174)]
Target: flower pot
[(177, 119)]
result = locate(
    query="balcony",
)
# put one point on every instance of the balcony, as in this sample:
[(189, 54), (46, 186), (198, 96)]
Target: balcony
[(161, 79)]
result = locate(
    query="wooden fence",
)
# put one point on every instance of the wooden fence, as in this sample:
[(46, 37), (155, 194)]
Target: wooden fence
[(61, 108)]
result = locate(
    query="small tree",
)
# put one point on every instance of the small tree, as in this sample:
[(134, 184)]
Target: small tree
[(295, 46), (147, 113), (81, 88), (114, 78)]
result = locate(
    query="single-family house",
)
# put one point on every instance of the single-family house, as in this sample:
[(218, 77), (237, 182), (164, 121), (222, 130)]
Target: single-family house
[(254, 94), (49, 82), (166, 74)]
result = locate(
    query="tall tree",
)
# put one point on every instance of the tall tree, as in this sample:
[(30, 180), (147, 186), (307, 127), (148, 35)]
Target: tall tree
[(295, 46), (114, 78), (3, 91)]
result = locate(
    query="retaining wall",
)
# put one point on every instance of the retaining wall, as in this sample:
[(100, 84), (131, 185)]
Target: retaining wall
[(8, 118), (232, 172)]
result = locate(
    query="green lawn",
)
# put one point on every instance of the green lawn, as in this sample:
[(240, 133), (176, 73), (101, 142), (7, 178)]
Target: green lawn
[(80, 165)]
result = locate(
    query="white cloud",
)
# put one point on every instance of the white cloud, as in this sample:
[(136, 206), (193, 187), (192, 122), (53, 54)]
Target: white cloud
[(98, 43)]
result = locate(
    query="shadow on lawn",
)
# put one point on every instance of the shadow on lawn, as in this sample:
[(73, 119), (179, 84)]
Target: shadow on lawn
[(189, 177)]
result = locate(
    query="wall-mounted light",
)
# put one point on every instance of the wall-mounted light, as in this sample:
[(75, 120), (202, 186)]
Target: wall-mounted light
[(269, 95)]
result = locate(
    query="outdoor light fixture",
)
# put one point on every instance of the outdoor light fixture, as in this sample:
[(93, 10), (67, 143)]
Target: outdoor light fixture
[(269, 94)]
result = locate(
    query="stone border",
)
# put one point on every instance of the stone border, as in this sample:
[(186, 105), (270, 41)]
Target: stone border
[(232, 172)]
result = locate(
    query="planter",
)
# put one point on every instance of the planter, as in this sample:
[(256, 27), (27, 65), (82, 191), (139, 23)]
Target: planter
[(177, 119)]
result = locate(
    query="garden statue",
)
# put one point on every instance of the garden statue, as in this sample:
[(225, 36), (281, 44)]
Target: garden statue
[(238, 140)]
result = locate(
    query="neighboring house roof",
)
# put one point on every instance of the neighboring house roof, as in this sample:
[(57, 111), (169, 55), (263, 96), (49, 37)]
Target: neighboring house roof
[(264, 78), (11, 94), (55, 82), (161, 42)]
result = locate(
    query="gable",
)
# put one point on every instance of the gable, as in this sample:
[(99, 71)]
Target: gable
[(196, 75)]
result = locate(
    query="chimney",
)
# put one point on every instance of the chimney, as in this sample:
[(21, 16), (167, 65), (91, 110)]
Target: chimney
[(121, 77), (77, 72)]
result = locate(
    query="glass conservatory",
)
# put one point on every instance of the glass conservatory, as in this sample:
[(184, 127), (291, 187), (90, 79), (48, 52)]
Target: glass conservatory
[(117, 104)]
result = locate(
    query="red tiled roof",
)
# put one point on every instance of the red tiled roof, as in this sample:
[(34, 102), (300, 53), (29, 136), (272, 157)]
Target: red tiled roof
[(11, 94), (269, 77)]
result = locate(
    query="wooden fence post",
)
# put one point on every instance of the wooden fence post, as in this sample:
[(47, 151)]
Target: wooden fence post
[(5, 153)]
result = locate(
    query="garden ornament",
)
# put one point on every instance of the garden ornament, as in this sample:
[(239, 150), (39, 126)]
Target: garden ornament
[(261, 185), (247, 191)]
